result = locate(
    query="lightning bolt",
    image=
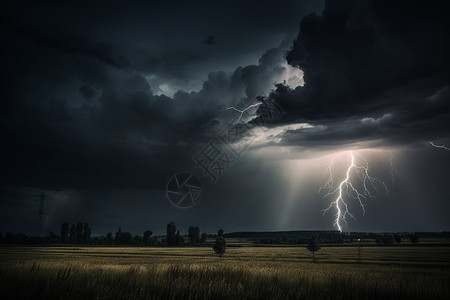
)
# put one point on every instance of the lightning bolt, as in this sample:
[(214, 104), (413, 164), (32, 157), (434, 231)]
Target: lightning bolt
[(358, 168), (241, 112), (439, 146)]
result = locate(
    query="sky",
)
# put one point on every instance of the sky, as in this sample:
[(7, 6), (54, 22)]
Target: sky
[(254, 105)]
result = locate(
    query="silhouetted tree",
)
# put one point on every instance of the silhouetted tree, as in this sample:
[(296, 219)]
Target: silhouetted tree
[(79, 233), (109, 238), (65, 232), (197, 234), (86, 233), (147, 239), (171, 234), (397, 238), (10, 238), (73, 234), (220, 233), (314, 245), (178, 239), (127, 238), (191, 234), (203, 237), (21, 238), (414, 238), (51, 238), (137, 240), (388, 239), (194, 234), (119, 236), (220, 246)]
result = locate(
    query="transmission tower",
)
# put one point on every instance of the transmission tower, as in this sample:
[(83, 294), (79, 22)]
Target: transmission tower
[(41, 213)]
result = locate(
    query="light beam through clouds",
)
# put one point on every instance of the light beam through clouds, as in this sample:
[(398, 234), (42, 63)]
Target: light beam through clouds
[(393, 168)]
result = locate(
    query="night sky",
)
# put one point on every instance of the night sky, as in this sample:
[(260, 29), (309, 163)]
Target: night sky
[(102, 102)]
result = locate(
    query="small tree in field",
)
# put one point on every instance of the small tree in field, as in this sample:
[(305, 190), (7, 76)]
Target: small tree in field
[(414, 238), (313, 245), (146, 239), (388, 239), (359, 250), (220, 246)]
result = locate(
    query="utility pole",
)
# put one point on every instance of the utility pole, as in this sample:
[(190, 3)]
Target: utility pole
[(41, 212)]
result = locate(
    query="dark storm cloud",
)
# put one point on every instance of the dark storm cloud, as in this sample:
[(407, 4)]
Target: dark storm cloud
[(88, 91), (210, 40), (62, 39), (173, 63), (81, 123), (372, 70), (103, 102), (116, 139)]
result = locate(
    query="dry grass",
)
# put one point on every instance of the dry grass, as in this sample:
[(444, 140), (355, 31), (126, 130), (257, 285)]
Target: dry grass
[(243, 273)]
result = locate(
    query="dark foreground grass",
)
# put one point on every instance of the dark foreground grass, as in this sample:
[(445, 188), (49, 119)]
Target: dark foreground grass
[(135, 274)]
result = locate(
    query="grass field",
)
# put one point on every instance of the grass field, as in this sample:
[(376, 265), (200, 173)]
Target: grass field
[(243, 273)]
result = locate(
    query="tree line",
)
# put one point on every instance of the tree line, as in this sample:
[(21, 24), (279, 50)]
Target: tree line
[(80, 233), (386, 239), (75, 234)]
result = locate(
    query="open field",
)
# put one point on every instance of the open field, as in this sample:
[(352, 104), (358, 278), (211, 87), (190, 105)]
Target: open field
[(243, 273)]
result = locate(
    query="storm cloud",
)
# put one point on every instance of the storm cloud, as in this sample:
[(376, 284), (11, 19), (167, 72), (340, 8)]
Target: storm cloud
[(373, 70), (103, 102)]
